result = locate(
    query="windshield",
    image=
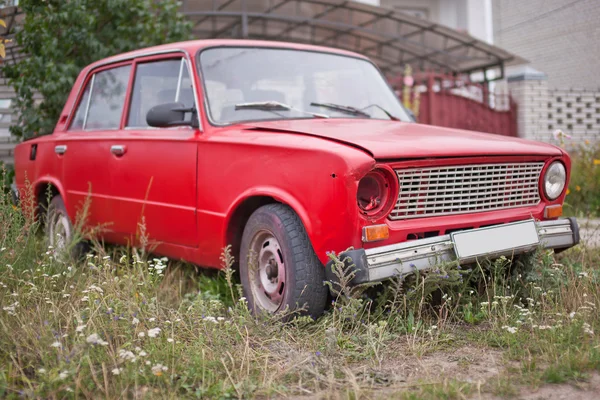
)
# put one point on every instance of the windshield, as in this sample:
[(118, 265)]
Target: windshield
[(252, 84)]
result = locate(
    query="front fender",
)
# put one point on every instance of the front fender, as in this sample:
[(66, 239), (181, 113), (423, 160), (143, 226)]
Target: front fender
[(276, 193)]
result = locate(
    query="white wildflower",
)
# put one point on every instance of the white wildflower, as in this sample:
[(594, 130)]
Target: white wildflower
[(141, 334), (56, 344), (154, 332), (96, 288), (588, 329), (41, 371), (158, 369), (116, 371), (135, 321), (572, 315), (170, 340), (63, 375), (80, 328), (151, 319), (510, 329), (127, 355), (94, 338), (11, 309), (142, 353)]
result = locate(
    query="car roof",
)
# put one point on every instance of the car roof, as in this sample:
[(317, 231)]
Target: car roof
[(192, 46)]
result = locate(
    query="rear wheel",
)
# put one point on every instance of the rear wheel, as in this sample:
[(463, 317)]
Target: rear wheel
[(59, 230), (279, 269)]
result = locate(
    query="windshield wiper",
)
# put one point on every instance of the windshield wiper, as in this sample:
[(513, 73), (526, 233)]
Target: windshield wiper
[(345, 109), (354, 110), (386, 112), (274, 106)]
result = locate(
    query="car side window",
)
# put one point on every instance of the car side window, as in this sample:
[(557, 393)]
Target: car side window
[(101, 104), (159, 82)]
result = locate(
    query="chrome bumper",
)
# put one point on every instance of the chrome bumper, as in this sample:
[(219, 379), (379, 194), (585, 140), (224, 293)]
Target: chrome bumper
[(383, 262)]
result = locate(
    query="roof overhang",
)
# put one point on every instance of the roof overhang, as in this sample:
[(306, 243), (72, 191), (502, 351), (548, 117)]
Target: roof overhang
[(390, 38)]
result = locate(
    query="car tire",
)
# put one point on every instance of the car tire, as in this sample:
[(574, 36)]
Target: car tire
[(59, 230), (275, 245)]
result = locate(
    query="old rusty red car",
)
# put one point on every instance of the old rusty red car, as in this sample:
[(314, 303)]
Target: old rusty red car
[(286, 152)]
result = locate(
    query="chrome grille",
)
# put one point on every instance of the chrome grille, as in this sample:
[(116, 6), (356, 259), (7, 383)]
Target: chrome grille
[(435, 191)]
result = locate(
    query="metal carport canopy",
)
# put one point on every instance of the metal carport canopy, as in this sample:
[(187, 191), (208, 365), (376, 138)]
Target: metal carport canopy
[(390, 38)]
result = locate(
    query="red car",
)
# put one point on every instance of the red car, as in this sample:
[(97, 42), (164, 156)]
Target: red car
[(286, 152)]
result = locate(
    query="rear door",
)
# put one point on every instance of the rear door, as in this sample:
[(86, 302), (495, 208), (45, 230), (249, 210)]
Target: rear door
[(84, 149), (154, 170)]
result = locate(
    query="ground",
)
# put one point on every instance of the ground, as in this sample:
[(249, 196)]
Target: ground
[(590, 231)]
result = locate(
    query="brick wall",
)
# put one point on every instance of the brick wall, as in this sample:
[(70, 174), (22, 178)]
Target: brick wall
[(531, 96), (576, 112), (559, 37), (542, 111)]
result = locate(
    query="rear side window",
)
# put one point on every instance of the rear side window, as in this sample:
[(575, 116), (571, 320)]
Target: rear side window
[(101, 104), (159, 82)]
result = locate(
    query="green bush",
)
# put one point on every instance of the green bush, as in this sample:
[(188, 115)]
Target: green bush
[(583, 196), (61, 37)]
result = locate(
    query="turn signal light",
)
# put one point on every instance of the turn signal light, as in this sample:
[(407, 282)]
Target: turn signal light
[(554, 211), (374, 233)]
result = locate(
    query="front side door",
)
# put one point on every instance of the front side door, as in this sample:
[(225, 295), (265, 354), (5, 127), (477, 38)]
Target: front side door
[(84, 148), (154, 170)]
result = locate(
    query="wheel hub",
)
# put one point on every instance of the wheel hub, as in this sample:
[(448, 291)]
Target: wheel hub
[(60, 233), (267, 274), (272, 269)]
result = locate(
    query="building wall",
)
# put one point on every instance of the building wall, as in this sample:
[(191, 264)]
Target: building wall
[(559, 37), (472, 16)]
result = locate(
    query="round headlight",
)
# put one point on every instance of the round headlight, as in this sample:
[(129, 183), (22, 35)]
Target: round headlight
[(555, 180), (374, 195)]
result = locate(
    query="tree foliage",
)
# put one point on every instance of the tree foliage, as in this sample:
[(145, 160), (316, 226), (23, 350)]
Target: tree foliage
[(61, 37)]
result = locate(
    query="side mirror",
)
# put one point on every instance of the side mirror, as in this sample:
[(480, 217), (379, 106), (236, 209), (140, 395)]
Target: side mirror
[(170, 114)]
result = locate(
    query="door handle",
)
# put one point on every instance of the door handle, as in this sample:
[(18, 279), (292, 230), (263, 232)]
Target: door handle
[(118, 150), (60, 149)]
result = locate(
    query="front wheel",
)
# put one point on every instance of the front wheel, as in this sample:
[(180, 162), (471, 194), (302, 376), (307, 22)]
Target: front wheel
[(279, 269)]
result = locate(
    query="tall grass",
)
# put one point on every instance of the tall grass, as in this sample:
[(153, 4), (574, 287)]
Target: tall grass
[(119, 324)]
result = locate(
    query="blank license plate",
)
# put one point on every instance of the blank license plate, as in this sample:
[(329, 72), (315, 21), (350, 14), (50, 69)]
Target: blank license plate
[(495, 240)]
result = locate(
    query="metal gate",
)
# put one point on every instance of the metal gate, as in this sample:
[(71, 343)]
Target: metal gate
[(455, 102)]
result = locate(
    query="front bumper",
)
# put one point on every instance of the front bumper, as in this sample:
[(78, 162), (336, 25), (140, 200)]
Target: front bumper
[(379, 263)]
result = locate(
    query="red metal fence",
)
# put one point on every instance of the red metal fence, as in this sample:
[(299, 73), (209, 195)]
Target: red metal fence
[(456, 103)]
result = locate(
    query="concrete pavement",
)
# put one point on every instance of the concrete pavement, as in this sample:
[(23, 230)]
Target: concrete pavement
[(590, 231)]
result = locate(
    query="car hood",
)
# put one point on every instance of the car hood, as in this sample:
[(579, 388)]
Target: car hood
[(394, 140)]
